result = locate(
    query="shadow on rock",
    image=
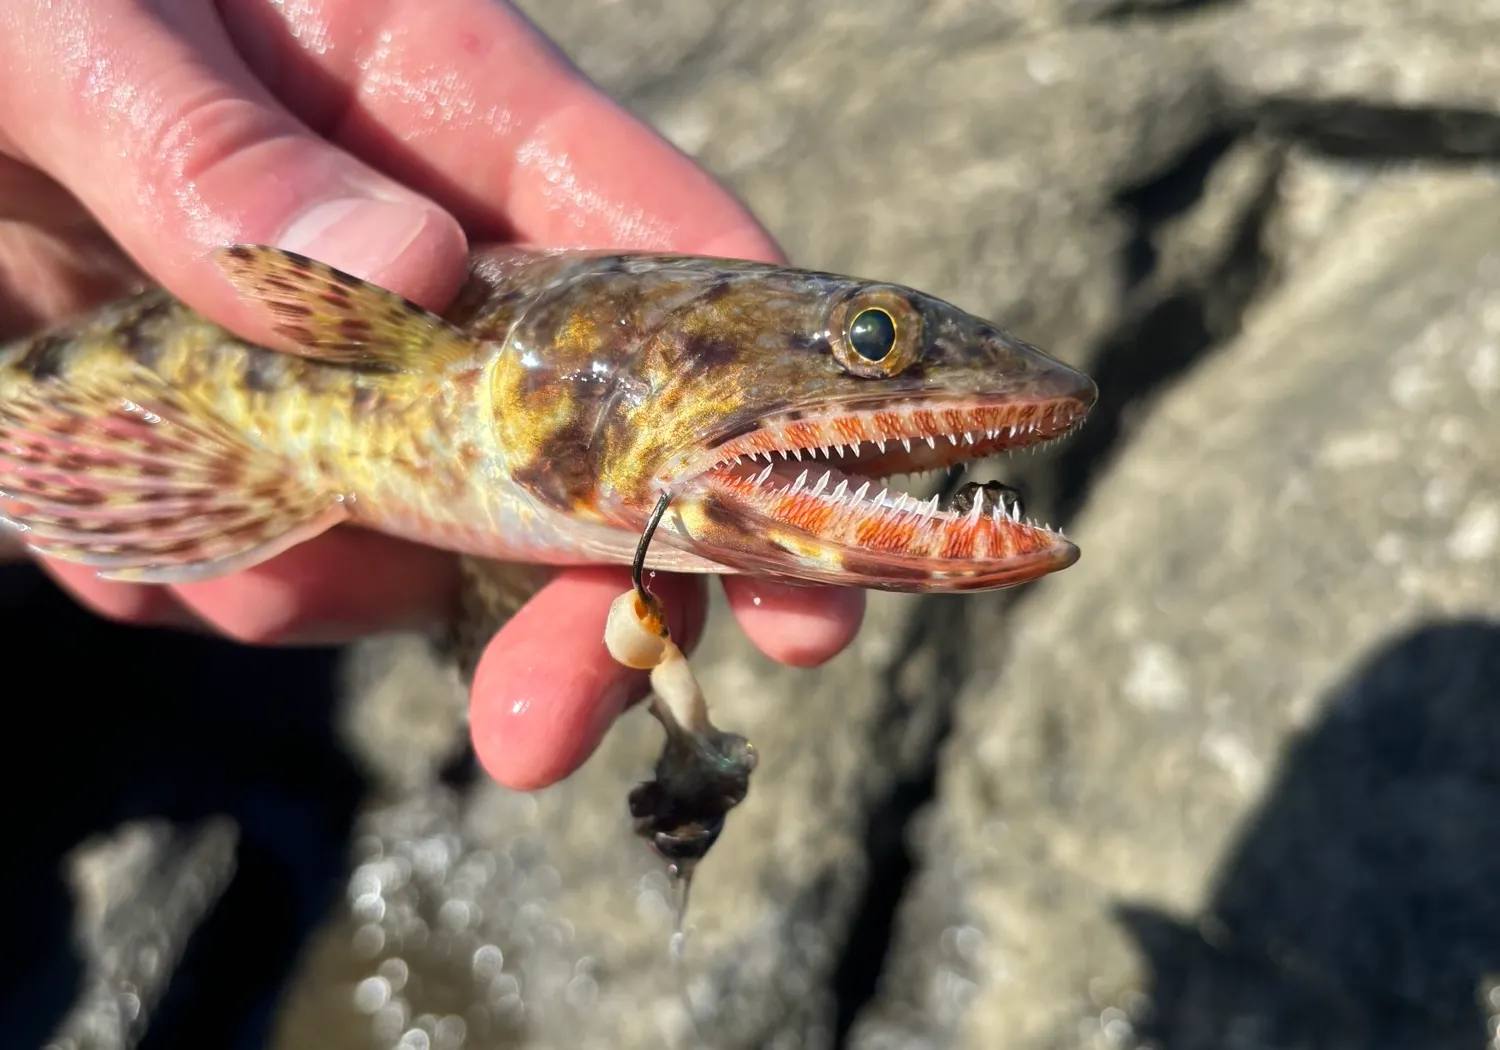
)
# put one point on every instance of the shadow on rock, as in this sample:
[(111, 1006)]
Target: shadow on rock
[(1362, 906), (178, 813)]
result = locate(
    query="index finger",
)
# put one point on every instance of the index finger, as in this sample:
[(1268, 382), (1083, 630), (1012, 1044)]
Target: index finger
[(523, 146)]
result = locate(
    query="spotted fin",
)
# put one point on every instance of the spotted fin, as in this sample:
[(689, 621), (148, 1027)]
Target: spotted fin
[(333, 317), (122, 473)]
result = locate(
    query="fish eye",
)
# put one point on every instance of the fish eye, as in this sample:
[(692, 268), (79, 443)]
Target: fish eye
[(877, 332), (872, 334)]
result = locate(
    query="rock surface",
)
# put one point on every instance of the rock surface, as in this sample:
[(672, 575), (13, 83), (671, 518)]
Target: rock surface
[(1239, 761), (1227, 782)]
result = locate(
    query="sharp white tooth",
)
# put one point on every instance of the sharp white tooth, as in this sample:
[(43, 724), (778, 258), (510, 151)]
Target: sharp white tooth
[(998, 514), (906, 444), (798, 453), (901, 502), (931, 443), (797, 485), (1015, 511), (879, 500), (968, 438), (822, 484), (930, 507), (880, 445), (952, 440), (763, 475), (975, 511), (736, 460), (859, 497), (840, 491)]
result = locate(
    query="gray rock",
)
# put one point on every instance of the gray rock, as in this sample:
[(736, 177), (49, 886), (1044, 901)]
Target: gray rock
[(540, 917), (140, 893), (1370, 75), (1233, 780)]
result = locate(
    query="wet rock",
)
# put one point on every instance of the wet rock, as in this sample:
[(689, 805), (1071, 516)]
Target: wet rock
[(140, 893), (177, 807), (404, 715), (1232, 780), (541, 917), (1369, 76)]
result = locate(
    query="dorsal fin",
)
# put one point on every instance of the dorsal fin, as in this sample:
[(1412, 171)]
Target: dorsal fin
[(330, 316)]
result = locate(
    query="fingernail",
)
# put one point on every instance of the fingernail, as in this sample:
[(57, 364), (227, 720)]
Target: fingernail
[(355, 234)]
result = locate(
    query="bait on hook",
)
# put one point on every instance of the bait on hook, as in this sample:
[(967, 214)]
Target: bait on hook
[(702, 772)]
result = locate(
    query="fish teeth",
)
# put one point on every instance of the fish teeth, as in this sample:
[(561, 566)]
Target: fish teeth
[(859, 497), (930, 507), (797, 485), (760, 479), (840, 491), (822, 483), (968, 438), (880, 444), (976, 511), (906, 444), (930, 442), (952, 440), (798, 453)]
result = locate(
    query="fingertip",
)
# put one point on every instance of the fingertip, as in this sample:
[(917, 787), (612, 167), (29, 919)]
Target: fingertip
[(340, 586), (546, 689), (795, 625), (128, 603)]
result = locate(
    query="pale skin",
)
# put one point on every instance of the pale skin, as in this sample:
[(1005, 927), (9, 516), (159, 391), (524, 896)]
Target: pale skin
[(379, 136)]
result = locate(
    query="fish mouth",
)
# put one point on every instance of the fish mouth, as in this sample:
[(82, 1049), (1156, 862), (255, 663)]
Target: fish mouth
[(820, 485)]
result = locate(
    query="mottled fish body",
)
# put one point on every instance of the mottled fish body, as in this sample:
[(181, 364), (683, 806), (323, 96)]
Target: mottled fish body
[(537, 420)]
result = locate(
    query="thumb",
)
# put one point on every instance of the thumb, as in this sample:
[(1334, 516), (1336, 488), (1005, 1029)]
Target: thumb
[(147, 114)]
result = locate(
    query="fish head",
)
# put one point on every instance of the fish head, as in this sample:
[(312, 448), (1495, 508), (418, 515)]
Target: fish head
[(774, 404)]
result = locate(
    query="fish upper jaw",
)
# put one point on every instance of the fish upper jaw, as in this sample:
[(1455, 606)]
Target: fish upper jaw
[(803, 493)]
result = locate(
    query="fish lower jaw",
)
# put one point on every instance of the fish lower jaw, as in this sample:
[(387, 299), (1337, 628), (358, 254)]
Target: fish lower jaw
[(825, 509)]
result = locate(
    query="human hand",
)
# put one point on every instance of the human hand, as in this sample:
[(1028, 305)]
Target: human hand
[(368, 135)]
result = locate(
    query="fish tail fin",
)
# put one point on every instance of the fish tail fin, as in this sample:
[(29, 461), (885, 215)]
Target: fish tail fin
[(119, 471)]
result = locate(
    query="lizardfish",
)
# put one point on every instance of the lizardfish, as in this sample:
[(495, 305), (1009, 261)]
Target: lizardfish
[(537, 420)]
